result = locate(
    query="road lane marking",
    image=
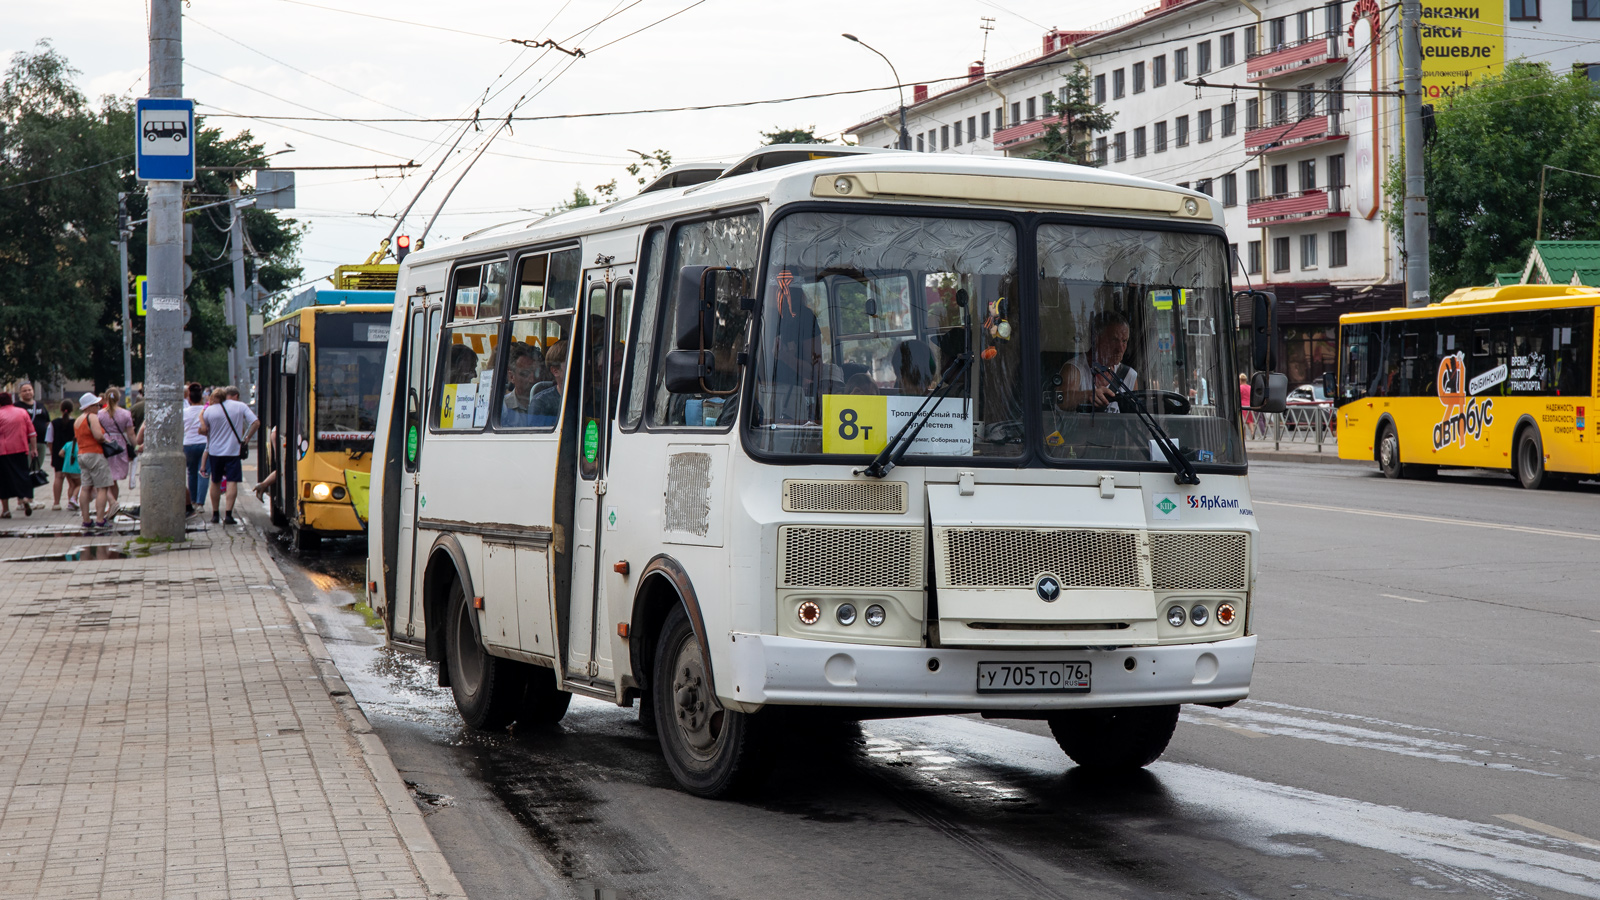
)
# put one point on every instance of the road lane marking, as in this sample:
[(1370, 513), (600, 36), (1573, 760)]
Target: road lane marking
[(1438, 520), (1551, 830), (1236, 729), (1398, 597)]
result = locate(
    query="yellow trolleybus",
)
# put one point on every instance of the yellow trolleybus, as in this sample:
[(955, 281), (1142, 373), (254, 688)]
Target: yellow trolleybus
[(1494, 378), (320, 372)]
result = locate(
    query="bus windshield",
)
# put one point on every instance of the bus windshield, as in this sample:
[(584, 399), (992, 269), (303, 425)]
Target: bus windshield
[(349, 374), (865, 315)]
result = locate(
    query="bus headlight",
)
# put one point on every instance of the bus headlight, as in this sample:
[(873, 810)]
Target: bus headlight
[(320, 491), (875, 615), (338, 492), (847, 614), (1176, 616), (1199, 615)]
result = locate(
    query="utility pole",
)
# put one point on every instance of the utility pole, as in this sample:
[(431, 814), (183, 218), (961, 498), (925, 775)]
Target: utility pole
[(1416, 202), (127, 327), (238, 317), (162, 492)]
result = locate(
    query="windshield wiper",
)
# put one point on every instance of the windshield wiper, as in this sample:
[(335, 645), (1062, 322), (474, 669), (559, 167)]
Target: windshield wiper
[(1180, 463), (892, 452)]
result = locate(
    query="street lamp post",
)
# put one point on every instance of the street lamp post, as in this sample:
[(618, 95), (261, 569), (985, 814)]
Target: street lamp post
[(905, 136)]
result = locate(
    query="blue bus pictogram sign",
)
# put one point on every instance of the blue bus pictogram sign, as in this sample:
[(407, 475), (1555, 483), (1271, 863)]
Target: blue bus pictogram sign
[(165, 137)]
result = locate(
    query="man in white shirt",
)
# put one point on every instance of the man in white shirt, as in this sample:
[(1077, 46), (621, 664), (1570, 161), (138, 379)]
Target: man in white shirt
[(1082, 382), (227, 424)]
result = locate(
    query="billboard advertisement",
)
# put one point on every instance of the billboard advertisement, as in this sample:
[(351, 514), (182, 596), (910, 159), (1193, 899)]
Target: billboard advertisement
[(1462, 41)]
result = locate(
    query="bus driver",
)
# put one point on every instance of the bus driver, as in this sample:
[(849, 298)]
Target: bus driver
[(1082, 382)]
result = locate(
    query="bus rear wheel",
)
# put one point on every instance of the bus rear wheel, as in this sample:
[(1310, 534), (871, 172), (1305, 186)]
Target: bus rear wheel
[(712, 751), (1530, 460), (1119, 739), (488, 690)]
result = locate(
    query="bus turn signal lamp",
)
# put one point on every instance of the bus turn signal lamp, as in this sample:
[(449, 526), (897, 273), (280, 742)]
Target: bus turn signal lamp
[(810, 613), (1225, 614)]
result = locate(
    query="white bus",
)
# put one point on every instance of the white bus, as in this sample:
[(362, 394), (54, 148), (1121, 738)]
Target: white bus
[(875, 431)]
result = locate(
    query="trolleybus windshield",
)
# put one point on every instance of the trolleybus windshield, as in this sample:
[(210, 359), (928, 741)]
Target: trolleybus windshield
[(349, 374)]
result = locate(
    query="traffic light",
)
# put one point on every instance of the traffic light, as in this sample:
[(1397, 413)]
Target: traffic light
[(402, 246)]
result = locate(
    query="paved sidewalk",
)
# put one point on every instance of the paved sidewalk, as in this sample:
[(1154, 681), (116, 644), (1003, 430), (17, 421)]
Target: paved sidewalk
[(172, 727)]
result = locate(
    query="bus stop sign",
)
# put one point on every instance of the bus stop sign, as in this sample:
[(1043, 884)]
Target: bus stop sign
[(164, 131)]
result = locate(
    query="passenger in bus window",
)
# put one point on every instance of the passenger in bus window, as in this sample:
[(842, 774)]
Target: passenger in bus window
[(914, 368), (799, 377), (1082, 384), (463, 365), (544, 405), (523, 374)]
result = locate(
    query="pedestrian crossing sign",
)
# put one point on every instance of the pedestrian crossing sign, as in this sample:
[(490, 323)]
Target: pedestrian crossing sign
[(138, 294)]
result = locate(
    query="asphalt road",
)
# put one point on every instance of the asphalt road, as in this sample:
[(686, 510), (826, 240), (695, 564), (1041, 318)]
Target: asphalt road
[(1423, 721)]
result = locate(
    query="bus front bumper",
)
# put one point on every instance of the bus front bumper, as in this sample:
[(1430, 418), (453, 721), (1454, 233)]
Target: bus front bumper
[(797, 672)]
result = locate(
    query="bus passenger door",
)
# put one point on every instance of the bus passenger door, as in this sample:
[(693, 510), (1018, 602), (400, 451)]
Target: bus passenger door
[(588, 653), (422, 336)]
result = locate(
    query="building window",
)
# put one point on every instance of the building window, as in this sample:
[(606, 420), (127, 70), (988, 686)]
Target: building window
[(1119, 142), (1138, 141), (921, 147), (1033, 108), (1047, 103), (1204, 186), (944, 137), (1275, 33), (1099, 89), (1333, 18), (1138, 78), (1280, 108), (1280, 254), (1119, 83), (957, 136), (1302, 25), (1249, 41), (1230, 190), (1158, 71), (1280, 180), (1016, 113), (1336, 170), (1182, 137), (1308, 251), (1184, 185), (1228, 117), (1337, 254), (1000, 118), (1308, 101), (972, 122), (985, 120), (1252, 113), (1205, 125), (1252, 185), (1202, 58), (1161, 137), (1334, 101), (1308, 174), (1252, 258), (1180, 64), (1585, 9), (1100, 150), (1225, 50), (1525, 10)]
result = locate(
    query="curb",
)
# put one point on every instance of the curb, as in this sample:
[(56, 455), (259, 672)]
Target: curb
[(439, 879), (1293, 457)]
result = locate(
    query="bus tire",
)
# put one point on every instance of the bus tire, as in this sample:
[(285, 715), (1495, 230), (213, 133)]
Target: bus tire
[(279, 520), (544, 703), (1389, 452), (304, 541), (712, 752), (1117, 739), (488, 690), (1529, 458)]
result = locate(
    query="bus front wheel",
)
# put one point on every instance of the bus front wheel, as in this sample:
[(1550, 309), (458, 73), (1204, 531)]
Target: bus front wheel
[(488, 690), (1530, 459), (711, 751), (1116, 739), (1389, 453)]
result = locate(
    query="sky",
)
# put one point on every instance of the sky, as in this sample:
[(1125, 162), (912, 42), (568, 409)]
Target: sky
[(405, 59)]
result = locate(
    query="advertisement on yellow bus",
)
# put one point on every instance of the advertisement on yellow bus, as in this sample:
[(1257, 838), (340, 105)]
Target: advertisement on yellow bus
[(1489, 378)]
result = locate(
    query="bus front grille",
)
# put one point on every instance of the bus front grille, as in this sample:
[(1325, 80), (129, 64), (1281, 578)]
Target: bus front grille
[(1200, 560), (992, 558), (844, 496), (848, 557)]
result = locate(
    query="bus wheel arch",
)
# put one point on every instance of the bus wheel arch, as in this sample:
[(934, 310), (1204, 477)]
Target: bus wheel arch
[(663, 584), (1527, 455), (447, 564)]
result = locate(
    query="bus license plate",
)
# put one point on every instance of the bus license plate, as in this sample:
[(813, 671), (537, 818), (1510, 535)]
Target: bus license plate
[(1050, 677)]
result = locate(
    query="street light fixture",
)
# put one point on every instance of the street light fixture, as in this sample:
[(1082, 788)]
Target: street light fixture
[(905, 136)]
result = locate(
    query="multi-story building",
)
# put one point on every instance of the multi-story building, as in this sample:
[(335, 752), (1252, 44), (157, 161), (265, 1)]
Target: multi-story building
[(1297, 162)]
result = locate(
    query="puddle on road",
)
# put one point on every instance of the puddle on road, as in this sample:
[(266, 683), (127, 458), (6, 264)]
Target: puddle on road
[(88, 553)]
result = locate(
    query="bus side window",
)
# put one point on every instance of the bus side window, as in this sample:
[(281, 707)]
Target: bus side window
[(466, 366), (535, 376), (1481, 342), (649, 301), (731, 241)]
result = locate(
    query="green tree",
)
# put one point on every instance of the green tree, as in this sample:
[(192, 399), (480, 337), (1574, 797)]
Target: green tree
[(806, 135), (579, 198), (1490, 145), (1067, 140)]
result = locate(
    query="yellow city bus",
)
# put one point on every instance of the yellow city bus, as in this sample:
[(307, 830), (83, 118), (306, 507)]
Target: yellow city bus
[(320, 374), (1489, 378)]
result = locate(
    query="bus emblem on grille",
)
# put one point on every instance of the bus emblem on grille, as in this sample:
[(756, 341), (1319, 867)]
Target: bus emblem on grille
[(1048, 587)]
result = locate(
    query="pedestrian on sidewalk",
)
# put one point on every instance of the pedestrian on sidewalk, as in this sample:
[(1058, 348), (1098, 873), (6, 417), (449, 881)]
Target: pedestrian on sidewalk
[(227, 425), (18, 445), (94, 474), (194, 447), (59, 436), (118, 423), (41, 423)]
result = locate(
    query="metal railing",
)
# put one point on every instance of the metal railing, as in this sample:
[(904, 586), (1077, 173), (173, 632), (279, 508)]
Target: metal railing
[(1296, 425)]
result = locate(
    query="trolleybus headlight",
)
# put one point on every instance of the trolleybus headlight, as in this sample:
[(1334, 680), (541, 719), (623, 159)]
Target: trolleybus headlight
[(1176, 616), (338, 492), (847, 614), (1198, 615), (842, 185), (1191, 207), (1225, 614), (810, 613), (320, 491), (875, 615)]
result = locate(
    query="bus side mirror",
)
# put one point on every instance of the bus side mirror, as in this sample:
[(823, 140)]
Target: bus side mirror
[(698, 290), (1330, 385), (1270, 390), (1264, 330), (683, 370), (291, 357)]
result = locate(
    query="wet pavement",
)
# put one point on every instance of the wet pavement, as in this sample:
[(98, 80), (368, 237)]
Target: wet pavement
[(1421, 726)]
